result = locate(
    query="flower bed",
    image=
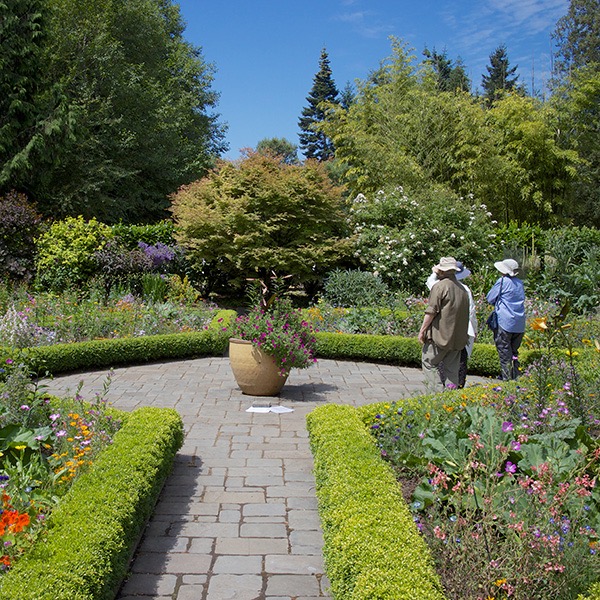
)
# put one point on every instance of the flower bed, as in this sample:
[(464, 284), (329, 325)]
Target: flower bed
[(94, 530), (372, 545)]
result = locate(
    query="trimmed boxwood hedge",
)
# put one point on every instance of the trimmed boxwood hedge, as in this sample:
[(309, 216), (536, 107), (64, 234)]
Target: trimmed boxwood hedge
[(372, 549), (93, 532), (403, 351)]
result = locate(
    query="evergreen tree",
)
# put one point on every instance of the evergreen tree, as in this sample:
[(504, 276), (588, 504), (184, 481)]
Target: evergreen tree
[(577, 38), (500, 78), (29, 107), (450, 76), (314, 143)]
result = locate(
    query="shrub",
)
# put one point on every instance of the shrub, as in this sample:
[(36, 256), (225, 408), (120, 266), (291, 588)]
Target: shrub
[(346, 288), (372, 549), (155, 233), (19, 224), (572, 267), (94, 530), (66, 252), (400, 237)]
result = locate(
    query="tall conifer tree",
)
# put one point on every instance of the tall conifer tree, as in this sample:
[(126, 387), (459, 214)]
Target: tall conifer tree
[(315, 144), (501, 77)]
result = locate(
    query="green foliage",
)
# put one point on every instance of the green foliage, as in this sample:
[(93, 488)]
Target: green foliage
[(500, 78), (139, 119), (19, 224), (161, 232), (281, 148), (260, 218), (577, 102), (572, 267), (354, 288), (531, 171), (402, 131), (94, 530), (577, 38), (313, 142), (66, 252), (372, 549), (401, 236)]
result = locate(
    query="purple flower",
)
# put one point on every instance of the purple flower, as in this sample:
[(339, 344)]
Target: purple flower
[(25, 407), (507, 426), (510, 467), (516, 445), (61, 433)]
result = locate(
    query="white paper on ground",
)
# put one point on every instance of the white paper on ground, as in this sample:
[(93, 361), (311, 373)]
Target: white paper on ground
[(266, 409)]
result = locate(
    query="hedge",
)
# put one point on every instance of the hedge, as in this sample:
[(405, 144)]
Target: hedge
[(372, 549), (403, 351), (94, 530), (95, 354)]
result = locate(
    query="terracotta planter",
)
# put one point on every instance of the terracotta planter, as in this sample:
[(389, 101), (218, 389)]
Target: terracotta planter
[(255, 372)]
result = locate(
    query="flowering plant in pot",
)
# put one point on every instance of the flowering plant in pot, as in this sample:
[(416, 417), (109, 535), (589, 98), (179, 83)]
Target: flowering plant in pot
[(280, 331)]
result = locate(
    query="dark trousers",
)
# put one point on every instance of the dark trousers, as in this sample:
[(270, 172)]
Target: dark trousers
[(462, 369), (508, 344)]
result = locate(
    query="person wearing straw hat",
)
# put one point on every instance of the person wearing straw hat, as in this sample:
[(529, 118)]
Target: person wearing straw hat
[(466, 352), (508, 297), (444, 332)]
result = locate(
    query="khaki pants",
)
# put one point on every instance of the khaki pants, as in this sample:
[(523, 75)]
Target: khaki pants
[(431, 357)]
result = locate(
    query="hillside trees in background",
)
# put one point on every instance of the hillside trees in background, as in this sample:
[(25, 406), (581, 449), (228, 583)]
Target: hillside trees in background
[(402, 131), (139, 101), (259, 218), (314, 142)]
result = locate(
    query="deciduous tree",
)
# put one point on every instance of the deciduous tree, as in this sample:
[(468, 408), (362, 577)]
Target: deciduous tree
[(261, 218)]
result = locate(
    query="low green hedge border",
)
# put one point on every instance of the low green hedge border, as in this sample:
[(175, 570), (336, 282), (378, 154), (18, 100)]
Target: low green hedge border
[(372, 549), (404, 351), (94, 531), (96, 354)]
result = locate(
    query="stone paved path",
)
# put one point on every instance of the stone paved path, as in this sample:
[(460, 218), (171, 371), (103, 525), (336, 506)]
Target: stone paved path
[(237, 518)]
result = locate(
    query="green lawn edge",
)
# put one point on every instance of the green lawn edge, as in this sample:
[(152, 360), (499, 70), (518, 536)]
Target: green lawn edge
[(92, 534)]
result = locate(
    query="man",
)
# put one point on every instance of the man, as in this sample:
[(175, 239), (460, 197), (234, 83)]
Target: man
[(444, 332)]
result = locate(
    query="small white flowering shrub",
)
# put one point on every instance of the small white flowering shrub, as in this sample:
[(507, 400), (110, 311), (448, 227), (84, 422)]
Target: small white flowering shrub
[(400, 237)]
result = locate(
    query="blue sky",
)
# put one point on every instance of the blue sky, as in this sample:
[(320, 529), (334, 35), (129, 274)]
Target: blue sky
[(266, 52)]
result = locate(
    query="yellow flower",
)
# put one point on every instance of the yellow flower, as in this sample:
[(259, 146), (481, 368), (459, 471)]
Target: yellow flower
[(499, 582), (428, 415), (447, 408), (571, 353), (20, 447)]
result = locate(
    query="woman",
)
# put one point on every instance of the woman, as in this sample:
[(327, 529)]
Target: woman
[(508, 297)]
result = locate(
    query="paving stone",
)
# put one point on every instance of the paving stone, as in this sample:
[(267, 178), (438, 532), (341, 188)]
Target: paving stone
[(234, 587), (289, 585), (238, 564)]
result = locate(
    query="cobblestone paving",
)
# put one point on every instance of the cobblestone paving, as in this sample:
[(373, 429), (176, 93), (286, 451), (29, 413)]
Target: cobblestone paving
[(237, 518)]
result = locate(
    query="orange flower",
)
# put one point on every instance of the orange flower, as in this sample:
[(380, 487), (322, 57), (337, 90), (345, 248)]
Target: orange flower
[(539, 324)]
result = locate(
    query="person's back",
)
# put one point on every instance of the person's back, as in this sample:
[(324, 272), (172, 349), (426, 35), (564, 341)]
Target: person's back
[(508, 297)]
